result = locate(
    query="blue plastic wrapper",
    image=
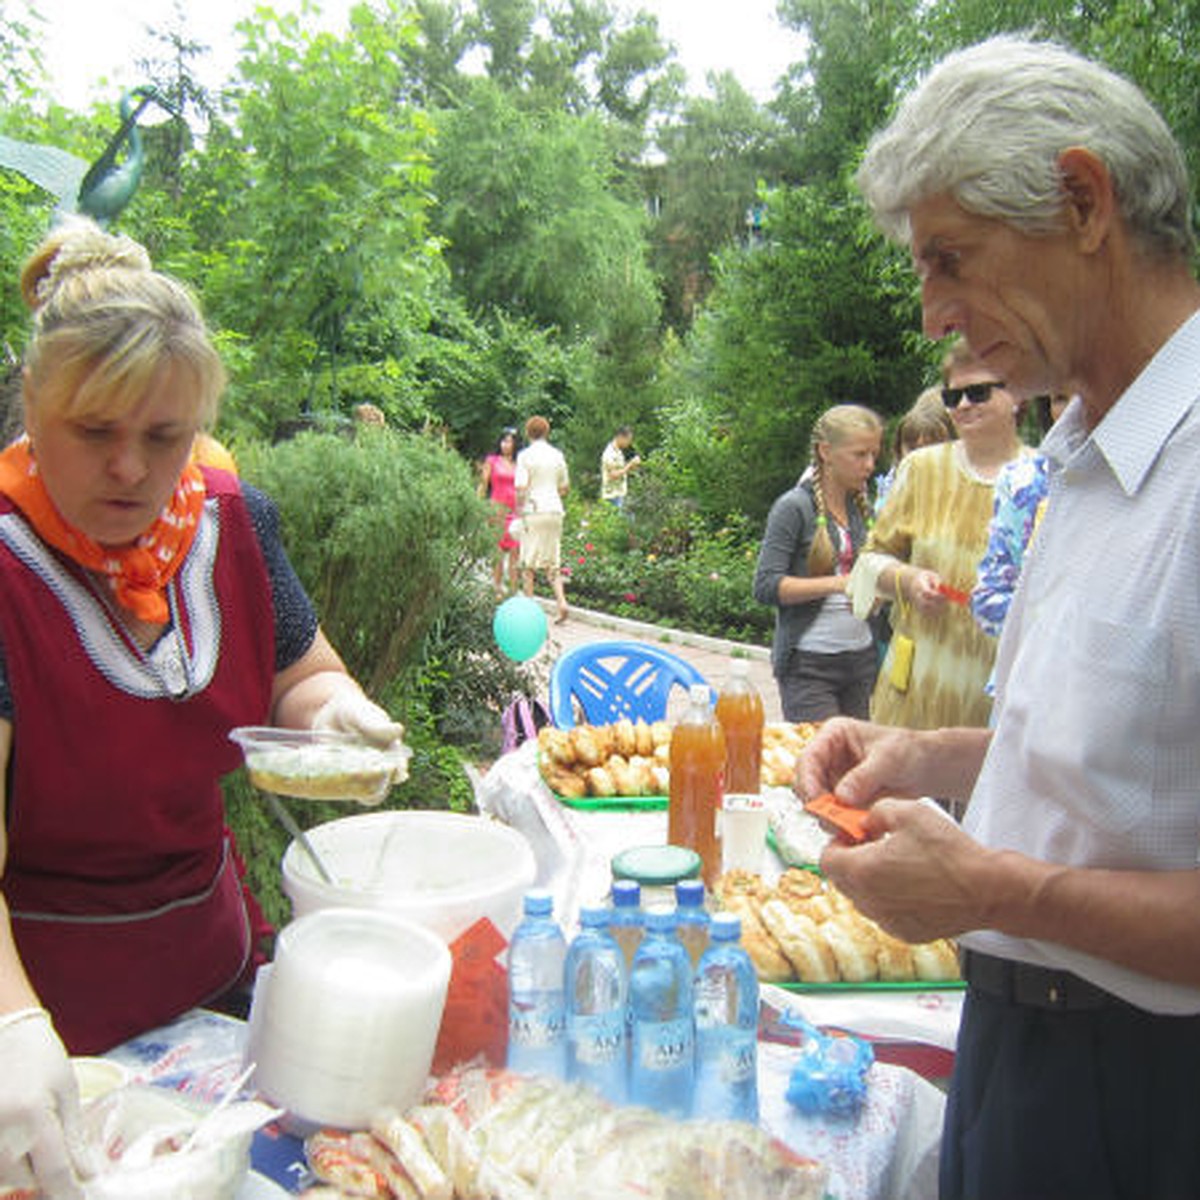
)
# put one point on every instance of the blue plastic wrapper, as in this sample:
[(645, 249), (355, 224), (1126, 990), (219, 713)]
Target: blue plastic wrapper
[(830, 1076)]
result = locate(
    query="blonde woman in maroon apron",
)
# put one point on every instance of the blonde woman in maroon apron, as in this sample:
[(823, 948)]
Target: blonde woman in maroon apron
[(148, 609)]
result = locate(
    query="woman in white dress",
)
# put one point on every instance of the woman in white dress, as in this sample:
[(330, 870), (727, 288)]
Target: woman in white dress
[(542, 482)]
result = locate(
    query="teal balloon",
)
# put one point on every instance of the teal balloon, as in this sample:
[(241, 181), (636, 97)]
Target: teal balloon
[(519, 627)]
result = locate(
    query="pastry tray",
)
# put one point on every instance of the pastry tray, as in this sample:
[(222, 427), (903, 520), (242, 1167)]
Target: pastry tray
[(613, 803), (877, 985)]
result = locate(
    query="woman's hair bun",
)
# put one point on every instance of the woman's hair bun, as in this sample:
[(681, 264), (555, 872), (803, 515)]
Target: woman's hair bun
[(73, 248)]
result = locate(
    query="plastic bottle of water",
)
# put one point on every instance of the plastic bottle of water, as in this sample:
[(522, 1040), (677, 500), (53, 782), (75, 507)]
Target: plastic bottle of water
[(625, 919), (662, 1059), (691, 918), (596, 981), (726, 992), (536, 1010)]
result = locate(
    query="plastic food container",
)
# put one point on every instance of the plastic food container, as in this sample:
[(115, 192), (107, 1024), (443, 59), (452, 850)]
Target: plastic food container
[(442, 870), (345, 1021), (320, 764), (657, 869)]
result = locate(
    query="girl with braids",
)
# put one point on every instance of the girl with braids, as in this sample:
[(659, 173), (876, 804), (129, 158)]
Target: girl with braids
[(823, 656), (924, 551)]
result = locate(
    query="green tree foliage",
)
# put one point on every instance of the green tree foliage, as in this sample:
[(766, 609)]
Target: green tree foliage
[(715, 154), (534, 222), (314, 207)]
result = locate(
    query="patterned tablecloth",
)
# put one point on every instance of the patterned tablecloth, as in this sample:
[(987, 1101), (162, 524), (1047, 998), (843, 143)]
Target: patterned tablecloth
[(887, 1152)]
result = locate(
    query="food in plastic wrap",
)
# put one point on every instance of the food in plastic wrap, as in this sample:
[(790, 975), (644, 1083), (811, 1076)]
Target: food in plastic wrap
[(495, 1135), (823, 938)]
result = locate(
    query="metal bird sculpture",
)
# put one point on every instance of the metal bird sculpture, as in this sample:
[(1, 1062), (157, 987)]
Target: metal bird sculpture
[(101, 189)]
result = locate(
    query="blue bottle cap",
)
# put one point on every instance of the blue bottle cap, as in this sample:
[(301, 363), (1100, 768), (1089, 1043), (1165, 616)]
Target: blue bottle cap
[(725, 927), (626, 893), (660, 920), (538, 903), (689, 893), (593, 917)]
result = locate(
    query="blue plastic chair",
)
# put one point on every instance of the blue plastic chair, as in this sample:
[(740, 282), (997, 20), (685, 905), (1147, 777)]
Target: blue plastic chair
[(611, 680)]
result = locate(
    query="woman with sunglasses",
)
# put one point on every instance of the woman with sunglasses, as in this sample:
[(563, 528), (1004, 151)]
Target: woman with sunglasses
[(924, 551)]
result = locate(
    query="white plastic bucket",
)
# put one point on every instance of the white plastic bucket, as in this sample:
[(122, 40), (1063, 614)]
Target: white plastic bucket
[(441, 870)]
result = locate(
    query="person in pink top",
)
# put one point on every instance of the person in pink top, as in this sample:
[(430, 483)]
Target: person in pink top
[(497, 483)]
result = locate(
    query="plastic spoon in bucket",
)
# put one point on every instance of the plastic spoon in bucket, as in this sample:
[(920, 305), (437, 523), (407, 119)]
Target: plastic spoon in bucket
[(288, 822)]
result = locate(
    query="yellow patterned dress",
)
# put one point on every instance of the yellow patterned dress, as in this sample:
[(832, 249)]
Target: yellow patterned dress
[(936, 517)]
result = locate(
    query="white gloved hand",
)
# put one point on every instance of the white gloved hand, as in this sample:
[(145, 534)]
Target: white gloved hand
[(40, 1123), (349, 711)]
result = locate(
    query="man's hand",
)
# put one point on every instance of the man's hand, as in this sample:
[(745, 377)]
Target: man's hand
[(858, 762), (861, 763), (919, 875)]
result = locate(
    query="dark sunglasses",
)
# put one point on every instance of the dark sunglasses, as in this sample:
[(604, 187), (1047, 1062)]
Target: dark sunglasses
[(976, 393)]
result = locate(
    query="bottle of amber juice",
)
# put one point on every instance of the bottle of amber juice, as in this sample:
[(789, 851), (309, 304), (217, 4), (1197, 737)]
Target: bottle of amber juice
[(697, 782), (740, 712)]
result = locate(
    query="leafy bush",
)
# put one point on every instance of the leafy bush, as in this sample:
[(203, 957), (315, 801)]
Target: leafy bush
[(675, 573), (379, 527)]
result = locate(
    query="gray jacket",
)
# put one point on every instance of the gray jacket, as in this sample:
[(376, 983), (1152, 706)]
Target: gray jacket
[(791, 526)]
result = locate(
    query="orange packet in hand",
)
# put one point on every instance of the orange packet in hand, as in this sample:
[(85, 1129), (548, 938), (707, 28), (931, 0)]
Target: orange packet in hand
[(953, 594), (847, 821)]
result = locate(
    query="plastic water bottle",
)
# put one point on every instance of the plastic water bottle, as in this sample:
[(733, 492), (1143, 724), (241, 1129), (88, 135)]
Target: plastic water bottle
[(691, 918), (596, 981), (662, 1058), (536, 1009), (625, 919), (726, 1027)]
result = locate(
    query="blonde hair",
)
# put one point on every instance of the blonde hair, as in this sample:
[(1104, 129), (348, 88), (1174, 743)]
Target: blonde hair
[(105, 323), (833, 427)]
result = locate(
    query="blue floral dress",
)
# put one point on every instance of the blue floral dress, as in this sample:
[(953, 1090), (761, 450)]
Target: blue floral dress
[(1020, 495)]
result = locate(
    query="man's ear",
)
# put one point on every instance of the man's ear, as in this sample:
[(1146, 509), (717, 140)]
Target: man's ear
[(1089, 196)]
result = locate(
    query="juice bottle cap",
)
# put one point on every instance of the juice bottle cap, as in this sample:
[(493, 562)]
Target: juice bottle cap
[(699, 693)]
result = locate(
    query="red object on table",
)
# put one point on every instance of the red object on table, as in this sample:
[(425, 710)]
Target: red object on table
[(475, 1020)]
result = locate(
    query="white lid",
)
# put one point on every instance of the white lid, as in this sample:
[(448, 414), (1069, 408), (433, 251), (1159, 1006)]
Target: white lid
[(698, 693)]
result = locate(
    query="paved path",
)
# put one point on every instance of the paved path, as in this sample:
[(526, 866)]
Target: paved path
[(710, 656)]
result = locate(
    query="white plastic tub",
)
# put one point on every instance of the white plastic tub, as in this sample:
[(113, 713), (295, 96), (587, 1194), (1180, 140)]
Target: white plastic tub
[(441, 870)]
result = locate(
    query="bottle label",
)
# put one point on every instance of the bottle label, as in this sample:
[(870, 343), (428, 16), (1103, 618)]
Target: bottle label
[(734, 1057), (665, 1045), (597, 1039), (536, 1024)]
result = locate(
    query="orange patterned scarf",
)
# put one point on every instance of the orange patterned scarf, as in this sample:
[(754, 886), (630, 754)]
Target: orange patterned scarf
[(137, 574)]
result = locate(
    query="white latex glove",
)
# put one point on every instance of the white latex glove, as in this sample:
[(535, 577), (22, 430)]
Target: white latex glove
[(40, 1124), (349, 711)]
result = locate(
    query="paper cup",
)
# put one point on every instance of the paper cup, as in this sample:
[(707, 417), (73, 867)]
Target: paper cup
[(743, 832)]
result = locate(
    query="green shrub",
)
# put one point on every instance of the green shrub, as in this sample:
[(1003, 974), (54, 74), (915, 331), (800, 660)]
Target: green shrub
[(380, 528)]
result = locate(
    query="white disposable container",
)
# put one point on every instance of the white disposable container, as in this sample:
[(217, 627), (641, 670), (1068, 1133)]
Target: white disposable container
[(441, 870), (346, 1019)]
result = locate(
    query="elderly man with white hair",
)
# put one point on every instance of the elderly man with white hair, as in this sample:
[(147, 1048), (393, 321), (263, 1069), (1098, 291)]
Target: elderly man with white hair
[(1046, 206)]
